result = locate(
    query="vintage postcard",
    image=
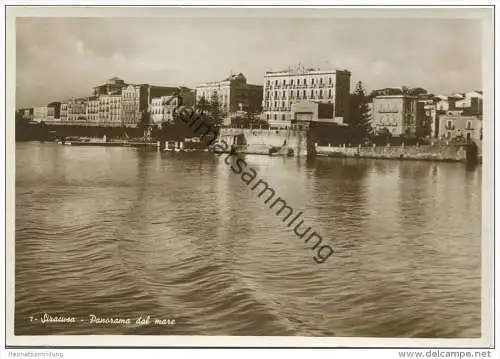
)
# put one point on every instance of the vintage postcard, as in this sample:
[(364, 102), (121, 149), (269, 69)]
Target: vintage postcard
[(249, 176)]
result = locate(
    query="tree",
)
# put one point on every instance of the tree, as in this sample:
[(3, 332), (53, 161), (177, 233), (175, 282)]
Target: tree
[(359, 120), (417, 91), (382, 137), (202, 104), (216, 116)]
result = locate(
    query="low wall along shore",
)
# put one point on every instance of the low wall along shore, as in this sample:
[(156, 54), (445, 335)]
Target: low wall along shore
[(436, 153), (285, 141)]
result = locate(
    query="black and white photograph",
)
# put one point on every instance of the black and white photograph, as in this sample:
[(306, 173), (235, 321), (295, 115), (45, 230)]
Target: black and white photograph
[(319, 175)]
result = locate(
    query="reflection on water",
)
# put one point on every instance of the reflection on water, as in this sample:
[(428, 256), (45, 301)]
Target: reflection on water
[(122, 232)]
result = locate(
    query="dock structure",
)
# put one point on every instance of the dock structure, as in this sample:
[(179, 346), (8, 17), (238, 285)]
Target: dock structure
[(267, 141)]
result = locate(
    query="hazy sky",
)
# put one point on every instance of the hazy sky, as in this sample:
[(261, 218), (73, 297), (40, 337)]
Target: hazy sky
[(59, 58)]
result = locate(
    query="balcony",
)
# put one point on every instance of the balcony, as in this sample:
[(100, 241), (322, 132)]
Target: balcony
[(450, 127)]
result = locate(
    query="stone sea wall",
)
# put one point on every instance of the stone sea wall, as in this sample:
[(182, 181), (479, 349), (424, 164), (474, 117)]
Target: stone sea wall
[(436, 153)]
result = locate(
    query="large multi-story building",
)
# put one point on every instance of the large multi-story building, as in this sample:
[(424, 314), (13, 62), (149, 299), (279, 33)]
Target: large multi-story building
[(284, 88), (136, 100), (156, 109), (112, 86), (77, 110), (25, 114), (233, 94), (110, 109), (54, 111), (64, 111), (40, 113), (93, 109), (396, 113), (162, 109), (51, 114)]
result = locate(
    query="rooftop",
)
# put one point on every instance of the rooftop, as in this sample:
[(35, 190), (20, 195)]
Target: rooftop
[(304, 71)]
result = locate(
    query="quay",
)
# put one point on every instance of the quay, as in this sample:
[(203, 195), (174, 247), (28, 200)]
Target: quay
[(293, 143), (444, 153), (284, 142)]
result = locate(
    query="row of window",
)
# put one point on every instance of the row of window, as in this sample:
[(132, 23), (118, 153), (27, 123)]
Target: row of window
[(110, 102), (302, 81), (468, 125), (395, 107), (161, 111), (394, 120), (88, 115), (275, 117), (293, 94), (281, 104), (129, 95), (92, 109)]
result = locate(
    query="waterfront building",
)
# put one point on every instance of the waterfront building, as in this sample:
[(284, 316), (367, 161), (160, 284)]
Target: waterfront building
[(112, 86), (50, 114), (447, 103), (110, 109), (40, 113), (468, 104), (472, 101), (132, 101), (396, 113), (136, 100), (77, 110), (427, 114), (64, 112), (93, 107), (233, 94), (454, 125), (284, 88), (25, 114), (162, 109), (54, 111), (114, 111), (156, 110)]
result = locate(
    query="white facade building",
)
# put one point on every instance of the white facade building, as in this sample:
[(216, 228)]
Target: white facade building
[(284, 88), (162, 109)]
